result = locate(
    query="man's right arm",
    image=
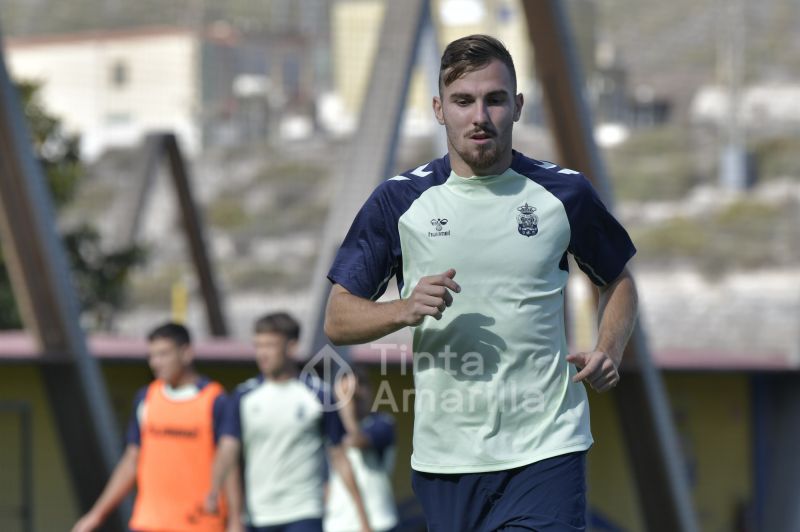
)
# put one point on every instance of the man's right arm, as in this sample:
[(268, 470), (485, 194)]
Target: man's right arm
[(227, 454), (121, 483), (350, 319)]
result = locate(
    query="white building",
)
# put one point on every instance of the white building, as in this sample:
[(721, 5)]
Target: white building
[(114, 86), (772, 105)]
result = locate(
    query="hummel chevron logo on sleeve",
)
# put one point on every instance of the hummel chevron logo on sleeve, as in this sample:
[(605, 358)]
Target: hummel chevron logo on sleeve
[(420, 171)]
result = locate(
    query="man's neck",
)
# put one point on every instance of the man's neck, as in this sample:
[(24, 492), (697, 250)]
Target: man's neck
[(462, 169), (188, 377), (283, 375)]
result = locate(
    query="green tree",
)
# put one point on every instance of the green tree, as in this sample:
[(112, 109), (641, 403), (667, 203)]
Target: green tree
[(100, 277)]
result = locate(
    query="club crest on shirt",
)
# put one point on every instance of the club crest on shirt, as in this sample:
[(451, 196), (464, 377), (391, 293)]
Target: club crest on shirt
[(438, 224), (527, 221)]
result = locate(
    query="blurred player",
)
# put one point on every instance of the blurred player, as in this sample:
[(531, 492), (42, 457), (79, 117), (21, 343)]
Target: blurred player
[(171, 441), (478, 241), (370, 447), (279, 424)]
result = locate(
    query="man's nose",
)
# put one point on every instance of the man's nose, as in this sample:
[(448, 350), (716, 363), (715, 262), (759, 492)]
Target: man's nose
[(480, 113)]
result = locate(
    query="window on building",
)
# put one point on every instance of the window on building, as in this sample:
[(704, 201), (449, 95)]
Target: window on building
[(119, 74), (118, 119)]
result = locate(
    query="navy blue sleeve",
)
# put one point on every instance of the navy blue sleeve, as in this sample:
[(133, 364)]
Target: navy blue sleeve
[(218, 414), (600, 245), (371, 254), (133, 436), (231, 424), (379, 429), (366, 260), (332, 427)]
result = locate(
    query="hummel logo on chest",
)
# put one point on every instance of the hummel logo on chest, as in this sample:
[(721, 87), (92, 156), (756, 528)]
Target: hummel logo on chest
[(438, 224)]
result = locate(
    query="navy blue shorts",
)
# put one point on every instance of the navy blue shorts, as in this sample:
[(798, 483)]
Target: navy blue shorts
[(546, 496), (304, 525)]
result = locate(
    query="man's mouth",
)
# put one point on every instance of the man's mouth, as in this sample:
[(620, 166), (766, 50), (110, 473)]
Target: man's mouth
[(481, 135)]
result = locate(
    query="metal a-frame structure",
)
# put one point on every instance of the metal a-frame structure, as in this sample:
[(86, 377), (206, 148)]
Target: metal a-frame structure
[(157, 147), (48, 303), (641, 399), (643, 408)]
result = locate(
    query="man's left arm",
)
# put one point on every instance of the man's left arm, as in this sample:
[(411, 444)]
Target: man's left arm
[(617, 313), (340, 462), (233, 496), (225, 473)]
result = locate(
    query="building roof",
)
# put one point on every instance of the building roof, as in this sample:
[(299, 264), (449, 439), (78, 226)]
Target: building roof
[(767, 104), (95, 35), (19, 346), (221, 33)]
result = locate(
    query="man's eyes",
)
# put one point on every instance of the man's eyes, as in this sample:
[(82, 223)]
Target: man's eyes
[(493, 100)]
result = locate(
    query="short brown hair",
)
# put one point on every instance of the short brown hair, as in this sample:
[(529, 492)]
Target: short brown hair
[(278, 322), (471, 53), (175, 332)]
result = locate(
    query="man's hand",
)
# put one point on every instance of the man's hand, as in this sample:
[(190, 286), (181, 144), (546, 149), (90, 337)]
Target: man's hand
[(122, 482), (345, 390), (235, 525), (352, 319), (430, 297), (597, 368), (89, 522)]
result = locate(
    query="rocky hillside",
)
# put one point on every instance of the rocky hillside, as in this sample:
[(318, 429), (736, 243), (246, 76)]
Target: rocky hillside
[(675, 46), (717, 271)]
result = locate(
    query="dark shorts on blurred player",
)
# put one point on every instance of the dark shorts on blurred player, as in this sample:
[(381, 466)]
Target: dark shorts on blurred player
[(304, 525), (546, 496)]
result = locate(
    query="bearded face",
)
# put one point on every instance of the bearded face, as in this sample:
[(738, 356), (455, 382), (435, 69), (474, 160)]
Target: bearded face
[(478, 111)]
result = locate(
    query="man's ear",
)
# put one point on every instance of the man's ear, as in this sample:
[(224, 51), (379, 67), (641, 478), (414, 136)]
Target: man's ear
[(187, 354), (518, 101), (437, 109), (291, 348)]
